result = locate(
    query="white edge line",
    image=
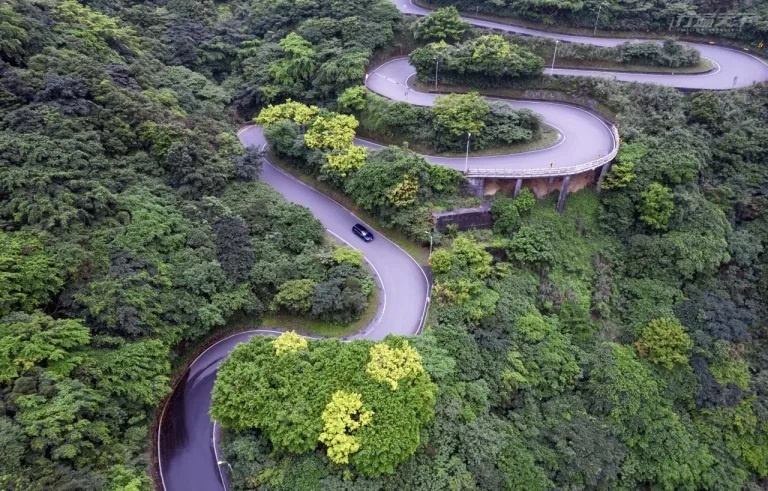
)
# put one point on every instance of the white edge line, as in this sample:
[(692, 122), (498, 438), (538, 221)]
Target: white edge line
[(216, 455)]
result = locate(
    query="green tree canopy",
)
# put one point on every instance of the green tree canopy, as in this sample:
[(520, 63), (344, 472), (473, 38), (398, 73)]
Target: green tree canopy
[(442, 24), (28, 276), (323, 393), (664, 341)]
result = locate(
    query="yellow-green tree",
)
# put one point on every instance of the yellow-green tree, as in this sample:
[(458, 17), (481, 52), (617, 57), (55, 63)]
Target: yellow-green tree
[(334, 132), (348, 255), (342, 417), (390, 365), (289, 342), (657, 206), (296, 112), (345, 162), (324, 395), (404, 193), (664, 341)]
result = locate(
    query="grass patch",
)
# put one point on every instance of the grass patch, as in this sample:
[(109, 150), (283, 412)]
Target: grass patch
[(548, 138), (418, 252)]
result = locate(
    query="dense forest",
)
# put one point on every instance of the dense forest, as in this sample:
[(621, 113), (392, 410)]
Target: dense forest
[(621, 344)]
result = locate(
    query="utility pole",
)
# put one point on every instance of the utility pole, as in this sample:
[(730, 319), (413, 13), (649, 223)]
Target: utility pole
[(466, 159), (557, 42), (598, 19), (437, 63), (429, 232)]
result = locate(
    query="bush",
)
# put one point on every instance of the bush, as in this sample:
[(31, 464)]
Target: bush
[(489, 56)]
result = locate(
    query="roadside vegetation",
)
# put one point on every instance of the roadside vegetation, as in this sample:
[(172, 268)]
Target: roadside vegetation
[(394, 184), (444, 126)]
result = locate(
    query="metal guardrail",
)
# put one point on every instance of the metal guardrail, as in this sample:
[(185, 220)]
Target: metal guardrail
[(547, 172)]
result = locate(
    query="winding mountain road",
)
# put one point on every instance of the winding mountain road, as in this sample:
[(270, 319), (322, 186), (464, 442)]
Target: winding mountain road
[(187, 458)]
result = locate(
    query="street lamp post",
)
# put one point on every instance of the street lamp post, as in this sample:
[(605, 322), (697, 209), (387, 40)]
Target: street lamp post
[(222, 462), (599, 9), (554, 57), (219, 463), (466, 159)]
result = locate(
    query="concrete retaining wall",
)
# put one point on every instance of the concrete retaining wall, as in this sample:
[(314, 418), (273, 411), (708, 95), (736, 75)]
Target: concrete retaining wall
[(464, 218)]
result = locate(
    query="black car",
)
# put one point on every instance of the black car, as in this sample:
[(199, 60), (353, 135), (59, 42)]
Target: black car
[(362, 232)]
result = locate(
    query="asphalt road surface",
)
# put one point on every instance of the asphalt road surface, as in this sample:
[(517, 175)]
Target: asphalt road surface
[(186, 451)]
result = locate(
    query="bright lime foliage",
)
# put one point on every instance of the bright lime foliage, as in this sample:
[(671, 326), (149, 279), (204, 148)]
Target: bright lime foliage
[(329, 132), (657, 206), (664, 341), (345, 162), (27, 275), (293, 111), (334, 132), (343, 416), (404, 193), (288, 342), (348, 255), (353, 99), (389, 365), (324, 393)]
